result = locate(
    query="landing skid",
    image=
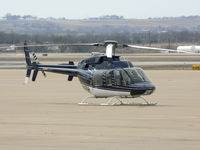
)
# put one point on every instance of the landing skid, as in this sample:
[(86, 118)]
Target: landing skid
[(121, 103)]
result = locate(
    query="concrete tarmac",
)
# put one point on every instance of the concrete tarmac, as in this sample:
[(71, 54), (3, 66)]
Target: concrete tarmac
[(44, 115)]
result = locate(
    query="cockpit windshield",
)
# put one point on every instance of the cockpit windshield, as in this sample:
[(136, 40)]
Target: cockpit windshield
[(119, 77), (134, 75)]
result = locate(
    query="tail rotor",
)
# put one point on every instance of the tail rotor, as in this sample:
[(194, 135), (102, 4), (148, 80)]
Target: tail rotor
[(37, 61), (31, 66)]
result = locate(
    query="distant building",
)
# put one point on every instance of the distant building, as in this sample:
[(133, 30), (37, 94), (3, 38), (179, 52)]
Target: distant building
[(53, 48), (11, 48)]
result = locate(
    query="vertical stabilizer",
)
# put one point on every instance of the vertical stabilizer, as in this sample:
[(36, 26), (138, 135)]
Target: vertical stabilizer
[(28, 63)]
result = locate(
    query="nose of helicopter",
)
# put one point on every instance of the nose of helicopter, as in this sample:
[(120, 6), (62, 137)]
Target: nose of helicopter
[(145, 88)]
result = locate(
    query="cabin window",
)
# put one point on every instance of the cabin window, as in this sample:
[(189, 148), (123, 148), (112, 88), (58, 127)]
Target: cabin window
[(117, 78), (98, 78), (109, 78)]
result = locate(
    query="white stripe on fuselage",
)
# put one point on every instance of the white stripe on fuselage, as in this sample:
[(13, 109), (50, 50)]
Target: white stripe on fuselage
[(107, 93)]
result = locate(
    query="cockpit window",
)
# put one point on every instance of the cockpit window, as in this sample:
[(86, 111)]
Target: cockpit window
[(143, 75), (136, 75), (126, 77)]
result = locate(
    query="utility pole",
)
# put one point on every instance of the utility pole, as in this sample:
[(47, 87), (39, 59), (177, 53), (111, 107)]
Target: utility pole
[(169, 41), (150, 38)]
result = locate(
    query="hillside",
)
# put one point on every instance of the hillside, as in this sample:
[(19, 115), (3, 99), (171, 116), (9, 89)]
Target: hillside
[(53, 26)]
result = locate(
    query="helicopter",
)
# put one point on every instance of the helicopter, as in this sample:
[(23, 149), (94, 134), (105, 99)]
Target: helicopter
[(103, 75)]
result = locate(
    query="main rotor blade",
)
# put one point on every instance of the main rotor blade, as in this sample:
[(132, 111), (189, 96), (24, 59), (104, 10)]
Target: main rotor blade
[(63, 44), (158, 49)]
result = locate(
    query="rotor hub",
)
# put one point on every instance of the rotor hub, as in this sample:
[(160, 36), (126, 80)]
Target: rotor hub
[(110, 47)]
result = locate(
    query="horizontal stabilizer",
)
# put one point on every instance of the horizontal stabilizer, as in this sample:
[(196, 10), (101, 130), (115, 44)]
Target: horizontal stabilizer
[(70, 78), (71, 63)]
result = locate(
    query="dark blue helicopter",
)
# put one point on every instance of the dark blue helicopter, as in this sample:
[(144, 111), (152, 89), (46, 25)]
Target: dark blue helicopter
[(104, 76)]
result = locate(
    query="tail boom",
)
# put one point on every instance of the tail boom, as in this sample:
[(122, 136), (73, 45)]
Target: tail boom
[(68, 69)]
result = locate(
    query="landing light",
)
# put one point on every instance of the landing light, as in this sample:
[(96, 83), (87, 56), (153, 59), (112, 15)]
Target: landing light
[(148, 92)]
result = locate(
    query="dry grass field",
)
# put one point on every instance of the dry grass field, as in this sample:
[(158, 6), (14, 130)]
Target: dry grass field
[(44, 115), (102, 26)]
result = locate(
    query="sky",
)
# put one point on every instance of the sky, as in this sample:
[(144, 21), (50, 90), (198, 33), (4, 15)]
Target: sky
[(82, 9)]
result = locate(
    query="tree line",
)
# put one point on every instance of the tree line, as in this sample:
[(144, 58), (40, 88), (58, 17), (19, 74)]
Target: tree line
[(10, 16), (144, 38), (133, 38)]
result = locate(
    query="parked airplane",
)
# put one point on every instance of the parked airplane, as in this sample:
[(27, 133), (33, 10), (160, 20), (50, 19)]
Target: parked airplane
[(192, 49)]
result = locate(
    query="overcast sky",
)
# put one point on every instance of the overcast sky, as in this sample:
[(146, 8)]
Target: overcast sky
[(80, 9)]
